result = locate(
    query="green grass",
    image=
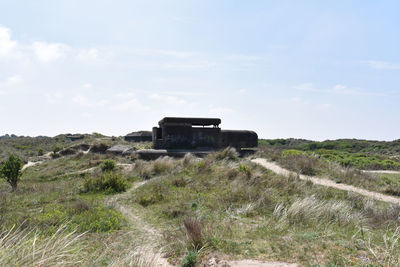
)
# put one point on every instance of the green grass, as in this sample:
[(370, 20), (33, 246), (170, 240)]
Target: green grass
[(47, 198), (221, 204), (360, 154), (245, 211)]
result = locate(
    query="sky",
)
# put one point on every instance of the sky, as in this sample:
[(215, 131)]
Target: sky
[(304, 69)]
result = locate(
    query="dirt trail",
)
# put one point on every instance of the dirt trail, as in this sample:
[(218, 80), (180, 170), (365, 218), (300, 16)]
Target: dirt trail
[(30, 164), (381, 172), (152, 236), (325, 182)]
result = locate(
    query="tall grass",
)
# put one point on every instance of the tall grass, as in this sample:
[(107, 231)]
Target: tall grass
[(20, 247), (314, 211), (387, 252)]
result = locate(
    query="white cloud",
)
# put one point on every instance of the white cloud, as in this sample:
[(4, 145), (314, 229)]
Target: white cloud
[(184, 93), (88, 86), (220, 111), (336, 89), (10, 82), (130, 104), (242, 91), (382, 65), (125, 95), (13, 80), (239, 57), (324, 106), (6, 44), (308, 87), (88, 55), (202, 65), (86, 102), (296, 100), (53, 98), (47, 52), (168, 99), (162, 52)]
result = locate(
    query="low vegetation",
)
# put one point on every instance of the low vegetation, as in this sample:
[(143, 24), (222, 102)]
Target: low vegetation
[(221, 204), (10, 170), (359, 154), (234, 207), (109, 182), (347, 168)]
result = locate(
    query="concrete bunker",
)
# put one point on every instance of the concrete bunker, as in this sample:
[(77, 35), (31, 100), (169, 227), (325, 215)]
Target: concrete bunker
[(199, 134), (140, 136)]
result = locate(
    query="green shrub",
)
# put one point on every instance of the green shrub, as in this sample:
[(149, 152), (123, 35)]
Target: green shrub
[(57, 148), (228, 153), (97, 135), (245, 169), (82, 216), (108, 165), (109, 182), (99, 219), (190, 259), (292, 152), (11, 170), (40, 152)]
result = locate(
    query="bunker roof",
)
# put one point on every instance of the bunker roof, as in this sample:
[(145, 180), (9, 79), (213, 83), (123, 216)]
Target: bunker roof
[(192, 121)]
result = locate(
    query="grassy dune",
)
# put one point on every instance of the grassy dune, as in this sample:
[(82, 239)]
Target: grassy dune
[(220, 205)]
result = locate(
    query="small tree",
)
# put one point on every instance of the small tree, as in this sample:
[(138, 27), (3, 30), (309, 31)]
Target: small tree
[(11, 170)]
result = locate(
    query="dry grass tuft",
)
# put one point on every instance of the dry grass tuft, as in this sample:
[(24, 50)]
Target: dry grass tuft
[(228, 153), (386, 254), (27, 248), (194, 231), (315, 211)]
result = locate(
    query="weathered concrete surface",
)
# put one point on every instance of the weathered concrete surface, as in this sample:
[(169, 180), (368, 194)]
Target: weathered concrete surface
[(117, 149), (239, 138), (99, 148), (140, 136), (191, 121), (152, 154), (129, 152)]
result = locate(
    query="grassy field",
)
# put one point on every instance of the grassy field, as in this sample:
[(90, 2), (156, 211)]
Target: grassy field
[(360, 154), (343, 166), (221, 205), (51, 202), (230, 206)]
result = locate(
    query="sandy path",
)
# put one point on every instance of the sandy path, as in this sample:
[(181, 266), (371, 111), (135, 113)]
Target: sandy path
[(381, 171), (329, 183), (30, 164), (152, 236)]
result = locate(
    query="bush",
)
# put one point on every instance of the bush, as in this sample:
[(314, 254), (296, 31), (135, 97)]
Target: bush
[(108, 165), (40, 152), (108, 182), (99, 219), (228, 153), (245, 169), (11, 170), (292, 152), (190, 259), (57, 148)]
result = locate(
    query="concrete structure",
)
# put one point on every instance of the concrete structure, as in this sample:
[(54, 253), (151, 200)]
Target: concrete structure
[(200, 134), (141, 136)]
